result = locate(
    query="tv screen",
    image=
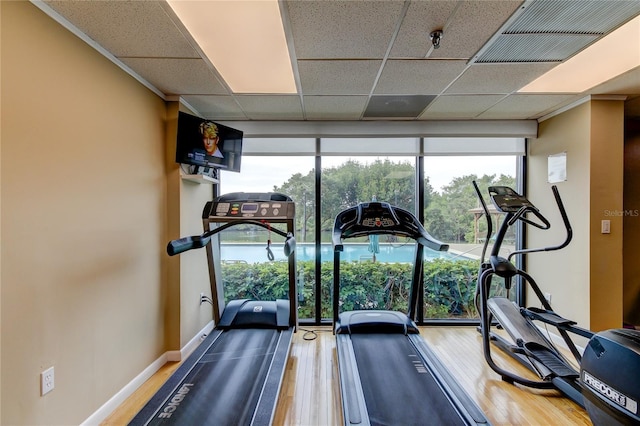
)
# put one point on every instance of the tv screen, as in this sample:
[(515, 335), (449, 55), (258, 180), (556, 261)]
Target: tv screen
[(204, 143)]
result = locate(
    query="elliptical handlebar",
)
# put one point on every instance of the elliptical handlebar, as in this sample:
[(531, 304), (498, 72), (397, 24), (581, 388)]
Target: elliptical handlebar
[(489, 222), (565, 221), (516, 207), (520, 215)]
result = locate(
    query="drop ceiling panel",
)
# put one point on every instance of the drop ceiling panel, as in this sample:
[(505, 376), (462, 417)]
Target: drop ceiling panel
[(472, 25), (340, 47), (265, 107), (343, 29), (461, 107), (496, 78), (216, 107), (338, 77), (418, 77), (334, 107), (127, 28), (177, 76), (530, 106), (421, 19)]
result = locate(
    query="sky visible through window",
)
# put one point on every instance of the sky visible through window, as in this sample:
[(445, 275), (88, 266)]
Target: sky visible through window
[(261, 173)]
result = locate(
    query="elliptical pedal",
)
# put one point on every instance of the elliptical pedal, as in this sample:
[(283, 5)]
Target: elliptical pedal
[(547, 357)]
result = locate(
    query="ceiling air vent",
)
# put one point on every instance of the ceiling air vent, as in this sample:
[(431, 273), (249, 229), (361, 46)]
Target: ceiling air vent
[(554, 30)]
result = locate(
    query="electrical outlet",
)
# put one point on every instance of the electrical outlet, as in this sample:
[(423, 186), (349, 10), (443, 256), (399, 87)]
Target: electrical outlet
[(46, 381), (202, 299), (548, 297)]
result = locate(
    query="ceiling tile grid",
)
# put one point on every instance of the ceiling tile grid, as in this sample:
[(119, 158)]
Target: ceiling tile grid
[(421, 19), (496, 78), (334, 107), (178, 76), (472, 26), (216, 107), (265, 107), (361, 59), (128, 28), (459, 107), (418, 77), (343, 29), (348, 77), (530, 106)]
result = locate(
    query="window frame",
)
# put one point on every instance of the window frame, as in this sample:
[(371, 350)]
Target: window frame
[(417, 147)]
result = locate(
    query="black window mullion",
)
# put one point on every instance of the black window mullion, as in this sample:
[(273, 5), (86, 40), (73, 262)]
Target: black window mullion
[(318, 234), (419, 185)]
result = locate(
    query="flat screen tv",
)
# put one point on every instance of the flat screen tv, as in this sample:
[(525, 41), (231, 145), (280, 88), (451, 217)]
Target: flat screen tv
[(205, 144)]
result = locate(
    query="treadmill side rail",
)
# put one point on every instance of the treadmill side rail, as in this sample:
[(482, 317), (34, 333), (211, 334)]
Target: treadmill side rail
[(266, 409), (354, 407)]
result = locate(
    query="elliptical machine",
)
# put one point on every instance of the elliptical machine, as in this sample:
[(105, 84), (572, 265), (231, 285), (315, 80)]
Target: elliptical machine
[(607, 383)]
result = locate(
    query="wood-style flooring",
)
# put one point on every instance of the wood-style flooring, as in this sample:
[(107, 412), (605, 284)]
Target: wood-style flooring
[(311, 392)]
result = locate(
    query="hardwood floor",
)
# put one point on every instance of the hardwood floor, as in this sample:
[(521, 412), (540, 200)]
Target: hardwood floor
[(311, 392), (459, 348)]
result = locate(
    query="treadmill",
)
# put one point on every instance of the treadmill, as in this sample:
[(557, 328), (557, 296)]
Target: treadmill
[(234, 376), (388, 374)]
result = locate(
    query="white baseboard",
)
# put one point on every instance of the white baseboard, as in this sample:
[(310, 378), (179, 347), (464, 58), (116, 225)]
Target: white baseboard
[(191, 344), (124, 393)]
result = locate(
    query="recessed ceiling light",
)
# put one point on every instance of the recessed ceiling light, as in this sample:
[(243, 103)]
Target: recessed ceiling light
[(244, 40), (609, 57)]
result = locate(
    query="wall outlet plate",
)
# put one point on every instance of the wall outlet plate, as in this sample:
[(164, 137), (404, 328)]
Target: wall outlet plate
[(46, 381)]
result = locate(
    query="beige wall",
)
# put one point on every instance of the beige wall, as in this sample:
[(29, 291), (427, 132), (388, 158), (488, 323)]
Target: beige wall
[(193, 273), (0, 222), (91, 194), (584, 279), (187, 274), (568, 133), (83, 222), (631, 288), (607, 189)]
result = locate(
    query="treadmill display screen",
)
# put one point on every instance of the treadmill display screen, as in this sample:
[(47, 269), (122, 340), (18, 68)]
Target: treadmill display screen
[(249, 208)]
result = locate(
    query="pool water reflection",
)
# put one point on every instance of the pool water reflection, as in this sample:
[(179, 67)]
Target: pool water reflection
[(393, 253)]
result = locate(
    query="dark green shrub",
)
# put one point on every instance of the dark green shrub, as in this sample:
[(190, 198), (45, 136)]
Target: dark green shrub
[(449, 285)]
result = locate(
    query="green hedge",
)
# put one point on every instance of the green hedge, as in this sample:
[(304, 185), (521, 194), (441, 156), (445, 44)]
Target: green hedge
[(449, 285)]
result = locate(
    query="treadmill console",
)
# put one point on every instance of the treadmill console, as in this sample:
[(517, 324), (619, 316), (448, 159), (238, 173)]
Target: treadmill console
[(376, 215), (251, 206), (380, 218), (507, 200)]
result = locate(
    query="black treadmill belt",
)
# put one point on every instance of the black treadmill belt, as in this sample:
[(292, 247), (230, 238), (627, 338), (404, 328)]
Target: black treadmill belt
[(224, 386), (398, 388)]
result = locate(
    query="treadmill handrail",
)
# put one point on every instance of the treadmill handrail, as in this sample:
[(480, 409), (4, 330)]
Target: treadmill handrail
[(350, 223), (181, 245)]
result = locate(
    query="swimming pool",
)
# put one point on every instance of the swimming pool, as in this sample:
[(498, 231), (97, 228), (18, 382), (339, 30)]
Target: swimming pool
[(257, 253)]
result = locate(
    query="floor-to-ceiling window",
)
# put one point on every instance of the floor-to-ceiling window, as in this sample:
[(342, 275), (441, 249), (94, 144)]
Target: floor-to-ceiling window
[(453, 213), (326, 175), (273, 165)]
